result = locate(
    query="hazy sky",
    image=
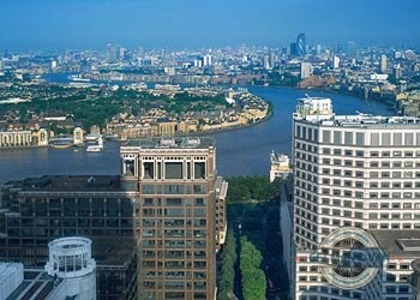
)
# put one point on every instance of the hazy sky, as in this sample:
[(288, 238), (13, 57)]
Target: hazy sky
[(58, 24)]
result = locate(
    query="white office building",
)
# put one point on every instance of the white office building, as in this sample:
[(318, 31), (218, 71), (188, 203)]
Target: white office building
[(356, 186)]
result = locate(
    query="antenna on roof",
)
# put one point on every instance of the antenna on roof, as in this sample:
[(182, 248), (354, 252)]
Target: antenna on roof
[(307, 96)]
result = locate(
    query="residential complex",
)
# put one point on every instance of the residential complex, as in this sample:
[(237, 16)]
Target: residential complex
[(356, 186)]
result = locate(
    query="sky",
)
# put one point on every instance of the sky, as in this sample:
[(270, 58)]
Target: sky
[(175, 24)]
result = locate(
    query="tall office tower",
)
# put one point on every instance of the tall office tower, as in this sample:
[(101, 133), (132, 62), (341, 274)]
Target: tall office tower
[(207, 60), (305, 70), (384, 63), (293, 49), (356, 187), (398, 72), (175, 216), (335, 62), (266, 62), (301, 44)]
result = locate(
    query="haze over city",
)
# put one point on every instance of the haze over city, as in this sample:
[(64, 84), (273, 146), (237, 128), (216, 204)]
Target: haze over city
[(44, 24)]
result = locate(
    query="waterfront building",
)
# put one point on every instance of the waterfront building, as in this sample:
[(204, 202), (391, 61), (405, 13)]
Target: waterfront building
[(22, 138), (356, 186), (166, 127), (78, 136), (280, 166), (175, 216)]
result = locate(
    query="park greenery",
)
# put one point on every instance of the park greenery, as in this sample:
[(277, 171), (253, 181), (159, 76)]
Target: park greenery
[(254, 227), (253, 277), (252, 188), (96, 106)]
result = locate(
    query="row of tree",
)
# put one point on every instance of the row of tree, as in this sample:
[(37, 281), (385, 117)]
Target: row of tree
[(253, 277), (227, 281), (259, 188)]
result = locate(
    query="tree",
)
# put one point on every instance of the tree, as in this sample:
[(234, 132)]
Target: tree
[(228, 272), (253, 277)]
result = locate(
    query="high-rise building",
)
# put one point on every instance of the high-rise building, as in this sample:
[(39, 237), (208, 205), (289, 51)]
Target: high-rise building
[(305, 70), (293, 49), (301, 44), (155, 230), (176, 216), (207, 60), (356, 188), (384, 63), (335, 62), (398, 72)]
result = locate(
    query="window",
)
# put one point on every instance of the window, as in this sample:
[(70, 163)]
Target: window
[(360, 139), (348, 138), (199, 170), (386, 139), (326, 136), (337, 137), (173, 170), (374, 139), (397, 138)]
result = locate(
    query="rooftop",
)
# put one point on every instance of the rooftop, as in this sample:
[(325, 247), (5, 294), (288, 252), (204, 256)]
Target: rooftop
[(68, 183), (172, 143), (399, 243), (362, 121)]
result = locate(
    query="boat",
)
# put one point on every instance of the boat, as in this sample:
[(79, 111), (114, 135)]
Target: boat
[(78, 78), (96, 148), (61, 142)]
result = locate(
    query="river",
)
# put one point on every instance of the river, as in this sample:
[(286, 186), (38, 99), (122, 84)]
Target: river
[(239, 152)]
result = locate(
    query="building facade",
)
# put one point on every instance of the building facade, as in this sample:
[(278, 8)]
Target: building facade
[(178, 220), (359, 174), (155, 229), (35, 211)]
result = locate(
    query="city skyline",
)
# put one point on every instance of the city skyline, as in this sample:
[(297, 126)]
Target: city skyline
[(178, 24)]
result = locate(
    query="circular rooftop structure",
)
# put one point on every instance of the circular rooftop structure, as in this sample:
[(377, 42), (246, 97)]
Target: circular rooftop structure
[(70, 257)]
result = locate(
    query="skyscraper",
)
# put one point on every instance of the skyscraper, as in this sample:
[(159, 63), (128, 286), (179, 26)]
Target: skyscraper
[(356, 186), (305, 70), (176, 215), (301, 44), (384, 63)]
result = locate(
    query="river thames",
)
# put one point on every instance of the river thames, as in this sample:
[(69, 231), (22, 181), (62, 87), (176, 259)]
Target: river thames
[(239, 152)]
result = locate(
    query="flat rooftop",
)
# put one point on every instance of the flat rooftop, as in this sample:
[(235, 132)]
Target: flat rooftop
[(362, 120), (172, 143), (68, 183), (399, 243)]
